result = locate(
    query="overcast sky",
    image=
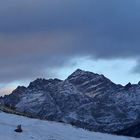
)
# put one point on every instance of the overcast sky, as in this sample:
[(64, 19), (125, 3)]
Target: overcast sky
[(52, 38)]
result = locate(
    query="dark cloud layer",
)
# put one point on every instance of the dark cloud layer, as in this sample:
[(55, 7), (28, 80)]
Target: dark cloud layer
[(43, 34)]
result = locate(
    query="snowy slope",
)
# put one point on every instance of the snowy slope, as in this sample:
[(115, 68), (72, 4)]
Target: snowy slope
[(34, 129)]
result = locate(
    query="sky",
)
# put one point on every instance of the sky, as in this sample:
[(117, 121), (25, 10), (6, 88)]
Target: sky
[(52, 38)]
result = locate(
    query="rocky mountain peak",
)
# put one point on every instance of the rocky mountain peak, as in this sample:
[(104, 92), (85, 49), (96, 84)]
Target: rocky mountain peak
[(83, 74), (84, 99), (127, 86), (90, 82), (19, 90), (40, 83), (78, 71)]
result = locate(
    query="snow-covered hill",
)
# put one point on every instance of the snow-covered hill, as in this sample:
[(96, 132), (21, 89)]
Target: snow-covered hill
[(34, 129)]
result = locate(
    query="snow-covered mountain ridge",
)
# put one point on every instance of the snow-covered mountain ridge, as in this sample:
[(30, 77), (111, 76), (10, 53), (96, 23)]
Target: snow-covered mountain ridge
[(84, 99)]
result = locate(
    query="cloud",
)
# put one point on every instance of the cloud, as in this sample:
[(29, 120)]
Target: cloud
[(39, 35)]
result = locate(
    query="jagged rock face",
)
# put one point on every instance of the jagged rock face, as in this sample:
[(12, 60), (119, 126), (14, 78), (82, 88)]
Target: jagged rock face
[(91, 84), (84, 99), (15, 96), (133, 131)]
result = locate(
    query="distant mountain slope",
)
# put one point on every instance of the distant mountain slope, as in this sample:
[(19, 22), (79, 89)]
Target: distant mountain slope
[(84, 99), (34, 129), (133, 131)]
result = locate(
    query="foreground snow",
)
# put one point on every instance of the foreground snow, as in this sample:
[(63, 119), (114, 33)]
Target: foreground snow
[(34, 129)]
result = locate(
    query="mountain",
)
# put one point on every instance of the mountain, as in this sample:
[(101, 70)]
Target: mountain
[(34, 129), (85, 99), (133, 131)]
